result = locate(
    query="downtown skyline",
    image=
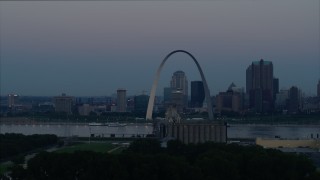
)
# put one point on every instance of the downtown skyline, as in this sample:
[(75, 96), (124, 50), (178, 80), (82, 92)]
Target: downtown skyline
[(52, 47)]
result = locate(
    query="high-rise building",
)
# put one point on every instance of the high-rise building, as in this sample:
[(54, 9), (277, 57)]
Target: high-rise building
[(167, 95), (121, 100), (249, 79), (318, 89), (141, 103), (275, 87), (293, 100), (63, 103), (177, 100), (179, 82), (12, 100), (259, 83), (197, 94)]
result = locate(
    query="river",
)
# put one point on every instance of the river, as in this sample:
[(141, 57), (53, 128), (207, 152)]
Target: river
[(234, 131)]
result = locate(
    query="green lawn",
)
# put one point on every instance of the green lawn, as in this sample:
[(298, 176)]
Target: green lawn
[(96, 147), (4, 167)]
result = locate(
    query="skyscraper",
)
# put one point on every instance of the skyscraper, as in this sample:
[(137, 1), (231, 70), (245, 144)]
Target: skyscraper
[(275, 87), (259, 83), (249, 79), (318, 89), (293, 100), (141, 103), (177, 100), (179, 82), (121, 100), (197, 94), (167, 94)]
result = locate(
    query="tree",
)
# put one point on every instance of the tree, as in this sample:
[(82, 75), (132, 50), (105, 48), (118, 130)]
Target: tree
[(145, 146), (18, 173)]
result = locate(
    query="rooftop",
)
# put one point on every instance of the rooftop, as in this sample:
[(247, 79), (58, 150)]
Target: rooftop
[(262, 61)]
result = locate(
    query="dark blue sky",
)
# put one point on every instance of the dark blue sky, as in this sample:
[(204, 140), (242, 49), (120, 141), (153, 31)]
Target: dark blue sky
[(93, 48)]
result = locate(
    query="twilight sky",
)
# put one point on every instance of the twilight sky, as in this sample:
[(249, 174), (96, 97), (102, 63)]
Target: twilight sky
[(94, 48)]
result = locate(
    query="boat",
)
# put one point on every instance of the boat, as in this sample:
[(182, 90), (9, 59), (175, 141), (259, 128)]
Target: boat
[(116, 124), (96, 124)]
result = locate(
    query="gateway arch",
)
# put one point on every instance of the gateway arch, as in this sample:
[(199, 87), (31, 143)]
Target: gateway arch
[(155, 84)]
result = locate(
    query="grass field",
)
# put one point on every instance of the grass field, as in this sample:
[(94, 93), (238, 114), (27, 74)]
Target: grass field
[(96, 147), (4, 167)]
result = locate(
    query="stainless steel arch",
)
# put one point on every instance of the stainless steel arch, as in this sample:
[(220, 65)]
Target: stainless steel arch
[(155, 84)]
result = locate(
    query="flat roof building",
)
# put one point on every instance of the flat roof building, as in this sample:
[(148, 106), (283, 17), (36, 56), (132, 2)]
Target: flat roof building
[(121, 100), (197, 94), (63, 103), (13, 100)]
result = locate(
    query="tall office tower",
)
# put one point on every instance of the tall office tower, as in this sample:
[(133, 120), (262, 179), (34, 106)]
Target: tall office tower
[(63, 103), (249, 79), (197, 94), (12, 100), (293, 100), (259, 83), (179, 82), (177, 100), (275, 87), (121, 100), (167, 95), (141, 103), (318, 89)]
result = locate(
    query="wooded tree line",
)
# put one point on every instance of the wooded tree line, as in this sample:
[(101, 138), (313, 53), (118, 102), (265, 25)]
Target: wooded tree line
[(146, 160), (12, 144)]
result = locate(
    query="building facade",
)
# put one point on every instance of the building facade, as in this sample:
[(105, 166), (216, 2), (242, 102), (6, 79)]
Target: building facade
[(259, 83), (167, 95), (281, 100), (293, 100), (63, 103), (13, 100), (318, 89), (275, 87), (197, 94), (230, 101), (141, 103), (121, 100), (85, 110), (178, 100), (193, 133), (179, 82)]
